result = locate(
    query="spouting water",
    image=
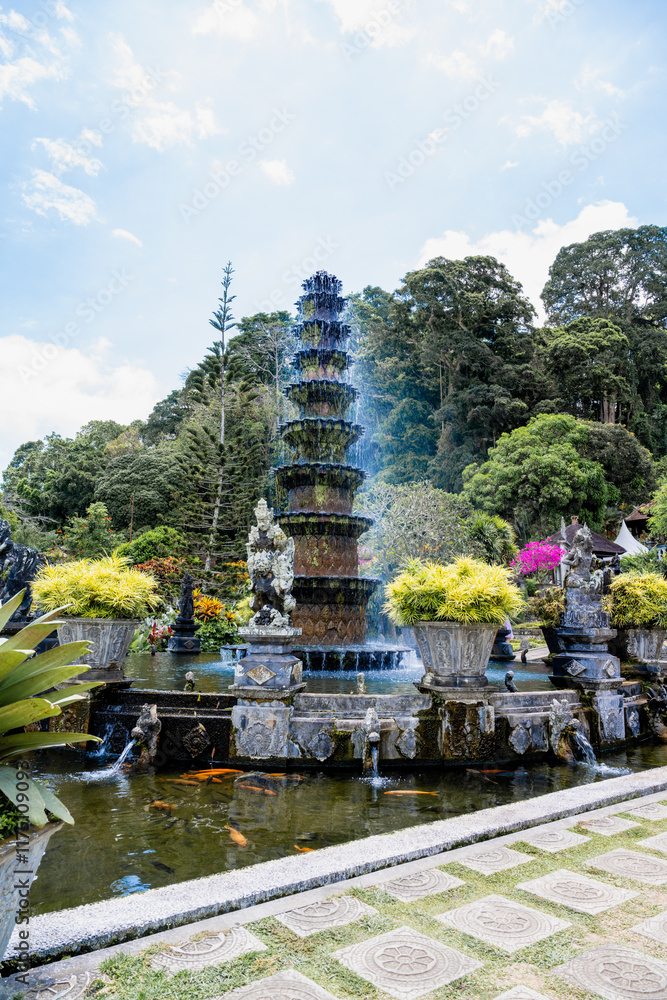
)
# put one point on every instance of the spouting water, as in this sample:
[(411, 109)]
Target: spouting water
[(374, 762), (588, 758), (116, 766)]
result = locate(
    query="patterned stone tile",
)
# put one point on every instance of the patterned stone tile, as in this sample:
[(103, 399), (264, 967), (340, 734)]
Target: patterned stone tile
[(654, 927), (211, 950), (420, 884), (288, 985), (323, 915), (652, 810), (502, 922), (521, 993), (657, 843), (577, 892), (553, 840), (406, 964), (45, 987), (632, 864), (489, 860), (607, 825), (617, 973)]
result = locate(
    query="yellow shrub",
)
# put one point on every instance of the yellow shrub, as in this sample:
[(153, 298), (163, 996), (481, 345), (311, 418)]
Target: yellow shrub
[(96, 588)]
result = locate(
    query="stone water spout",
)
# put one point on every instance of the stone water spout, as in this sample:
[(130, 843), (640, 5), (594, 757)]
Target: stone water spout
[(656, 703), (371, 742), (146, 732)]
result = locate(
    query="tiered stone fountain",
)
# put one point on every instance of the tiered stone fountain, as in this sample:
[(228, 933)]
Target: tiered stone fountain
[(316, 488)]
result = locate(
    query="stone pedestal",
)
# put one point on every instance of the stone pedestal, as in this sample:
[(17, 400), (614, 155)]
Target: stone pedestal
[(501, 651), (586, 662)]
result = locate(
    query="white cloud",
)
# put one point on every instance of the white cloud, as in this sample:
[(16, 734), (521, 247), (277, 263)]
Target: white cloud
[(510, 164), (458, 65), (528, 255), (498, 45), (566, 125), (46, 191), (160, 124), (41, 56), (277, 171), (372, 18), (590, 78), (66, 155), (72, 387), (123, 234), (227, 19), (553, 10)]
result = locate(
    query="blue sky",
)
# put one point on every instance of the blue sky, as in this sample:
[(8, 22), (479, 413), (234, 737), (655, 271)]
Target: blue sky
[(145, 144)]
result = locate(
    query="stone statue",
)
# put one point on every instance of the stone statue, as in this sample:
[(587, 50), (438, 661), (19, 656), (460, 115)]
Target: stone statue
[(579, 558), (271, 570), (183, 638), (19, 565)]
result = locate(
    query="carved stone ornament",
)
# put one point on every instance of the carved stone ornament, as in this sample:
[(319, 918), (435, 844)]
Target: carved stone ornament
[(271, 570), (575, 668), (520, 738), (321, 745), (408, 743), (196, 740), (260, 674), (560, 714)]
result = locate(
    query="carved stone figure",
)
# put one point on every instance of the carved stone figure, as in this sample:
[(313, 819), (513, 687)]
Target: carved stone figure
[(183, 638), (146, 732), (271, 570), (18, 567)]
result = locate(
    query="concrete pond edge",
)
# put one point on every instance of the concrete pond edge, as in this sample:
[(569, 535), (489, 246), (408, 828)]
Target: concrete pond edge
[(113, 921)]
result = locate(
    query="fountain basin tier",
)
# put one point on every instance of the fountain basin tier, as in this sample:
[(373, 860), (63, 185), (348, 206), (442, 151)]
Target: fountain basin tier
[(320, 363), (331, 610), (366, 657), (316, 486), (322, 397), (314, 438), (325, 542)]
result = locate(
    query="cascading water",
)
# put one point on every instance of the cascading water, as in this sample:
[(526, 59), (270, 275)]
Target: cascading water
[(586, 753)]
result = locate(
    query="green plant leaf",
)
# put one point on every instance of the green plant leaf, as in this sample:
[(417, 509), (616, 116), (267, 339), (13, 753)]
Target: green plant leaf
[(19, 743), (23, 713), (11, 658), (59, 656), (53, 804), (9, 607), (31, 635), (36, 814), (38, 683), (66, 695)]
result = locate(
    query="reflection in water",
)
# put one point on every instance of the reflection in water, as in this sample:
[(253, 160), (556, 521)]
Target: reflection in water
[(120, 844)]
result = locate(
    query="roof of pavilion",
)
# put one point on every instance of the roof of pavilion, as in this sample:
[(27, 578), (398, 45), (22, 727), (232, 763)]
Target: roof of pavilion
[(642, 512), (601, 546)]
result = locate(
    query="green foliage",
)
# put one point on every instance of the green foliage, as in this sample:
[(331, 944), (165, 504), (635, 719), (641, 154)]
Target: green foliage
[(156, 543), (149, 477), (546, 607), (103, 588), (166, 417), (91, 535), (621, 276), (657, 522), (638, 600), (466, 591), (645, 562), (220, 631), (494, 536), (538, 473), (588, 361), (27, 696)]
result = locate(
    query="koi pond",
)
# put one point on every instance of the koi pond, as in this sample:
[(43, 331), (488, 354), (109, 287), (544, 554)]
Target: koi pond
[(140, 831)]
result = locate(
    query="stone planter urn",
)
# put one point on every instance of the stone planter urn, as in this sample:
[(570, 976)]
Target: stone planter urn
[(455, 656), (644, 646), (109, 640), (31, 846)]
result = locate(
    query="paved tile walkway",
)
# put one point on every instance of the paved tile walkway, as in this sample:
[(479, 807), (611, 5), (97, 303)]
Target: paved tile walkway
[(566, 910)]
